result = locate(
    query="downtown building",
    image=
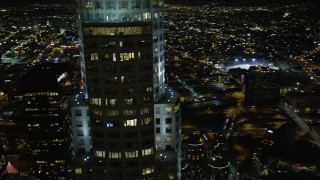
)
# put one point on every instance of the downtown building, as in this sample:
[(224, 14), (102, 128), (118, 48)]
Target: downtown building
[(122, 63), (45, 117), (262, 89)]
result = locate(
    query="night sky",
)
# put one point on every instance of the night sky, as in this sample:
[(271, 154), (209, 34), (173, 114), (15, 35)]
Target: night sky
[(4, 3)]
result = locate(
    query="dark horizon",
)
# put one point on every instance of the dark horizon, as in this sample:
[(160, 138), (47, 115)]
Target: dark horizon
[(19, 3)]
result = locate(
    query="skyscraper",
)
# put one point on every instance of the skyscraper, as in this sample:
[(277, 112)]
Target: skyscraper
[(262, 87), (45, 115), (123, 73)]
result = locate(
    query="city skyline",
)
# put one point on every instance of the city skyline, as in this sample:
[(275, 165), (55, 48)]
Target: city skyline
[(233, 89)]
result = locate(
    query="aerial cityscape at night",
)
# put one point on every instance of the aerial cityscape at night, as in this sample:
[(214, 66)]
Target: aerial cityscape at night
[(154, 89)]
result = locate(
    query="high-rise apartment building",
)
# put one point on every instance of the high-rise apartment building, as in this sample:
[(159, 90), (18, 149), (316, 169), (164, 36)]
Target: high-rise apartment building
[(123, 73), (262, 87)]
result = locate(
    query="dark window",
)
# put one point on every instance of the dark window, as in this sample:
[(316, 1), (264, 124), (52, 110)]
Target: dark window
[(82, 150), (133, 144), (157, 130), (115, 164), (113, 135), (157, 120), (128, 135), (147, 142), (114, 145), (98, 134), (78, 113), (79, 124), (131, 164), (168, 130), (168, 120), (80, 133), (146, 132)]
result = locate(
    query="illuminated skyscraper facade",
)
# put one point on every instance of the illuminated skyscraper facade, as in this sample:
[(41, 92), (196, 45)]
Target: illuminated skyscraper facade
[(123, 73)]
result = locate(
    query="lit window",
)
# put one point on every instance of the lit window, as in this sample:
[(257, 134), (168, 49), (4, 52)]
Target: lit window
[(147, 170), (112, 112), (41, 162), (144, 111), (95, 101), (158, 138), (115, 155), (94, 57), (158, 147), (131, 154), (126, 56), (128, 101), (129, 112), (122, 79), (160, 3), (149, 89), (87, 4), (113, 102), (146, 120), (156, 16), (146, 16), (146, 152), (78, 171), (168, 109), (157, 110), (99, 153), (96, 112), (130, 122), (114, 57), (168, 139)]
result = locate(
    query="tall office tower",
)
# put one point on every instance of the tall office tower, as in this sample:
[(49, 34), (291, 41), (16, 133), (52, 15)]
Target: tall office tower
[(123, 73), (262, 87), (46, 117)]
